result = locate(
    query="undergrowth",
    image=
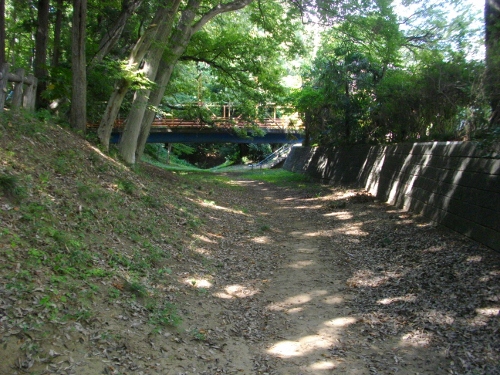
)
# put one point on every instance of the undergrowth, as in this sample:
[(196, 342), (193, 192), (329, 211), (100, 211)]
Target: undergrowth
[(80, 229)]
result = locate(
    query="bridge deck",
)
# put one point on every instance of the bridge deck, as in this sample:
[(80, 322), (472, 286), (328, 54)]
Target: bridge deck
[(176, 130), (217, 123)]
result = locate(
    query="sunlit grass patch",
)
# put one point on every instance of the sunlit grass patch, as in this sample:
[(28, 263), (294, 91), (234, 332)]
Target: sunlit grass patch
[(176, 164), (278, 177)]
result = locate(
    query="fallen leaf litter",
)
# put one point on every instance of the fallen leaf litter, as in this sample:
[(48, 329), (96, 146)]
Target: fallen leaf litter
[(327, 283)]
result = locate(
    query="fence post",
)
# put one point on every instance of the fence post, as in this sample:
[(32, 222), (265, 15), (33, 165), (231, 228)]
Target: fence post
[(17, 97), (4, 79), (29, 93)]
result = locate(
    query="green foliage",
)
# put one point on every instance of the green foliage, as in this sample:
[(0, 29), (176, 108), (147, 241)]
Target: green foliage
[(165, 315), (435, 102), (12, 188), (151, 201), (360, 89), (126, 186), (59, 90), (37, 257), (90, 193), (155, 151), (199, 334), (136, 288), (259, 151), (217, 67)]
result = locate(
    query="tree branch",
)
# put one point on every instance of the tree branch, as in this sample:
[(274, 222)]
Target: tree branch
[(219, 9), (113, 35)]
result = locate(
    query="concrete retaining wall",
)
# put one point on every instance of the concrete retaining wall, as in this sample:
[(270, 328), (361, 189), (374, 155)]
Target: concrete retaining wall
[(452, 183)]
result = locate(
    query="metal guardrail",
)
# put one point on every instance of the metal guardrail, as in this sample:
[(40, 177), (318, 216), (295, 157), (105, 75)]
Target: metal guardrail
[(274, 158)]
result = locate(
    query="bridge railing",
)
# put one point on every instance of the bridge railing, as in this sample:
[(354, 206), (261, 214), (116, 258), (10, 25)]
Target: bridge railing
[(217, 122)]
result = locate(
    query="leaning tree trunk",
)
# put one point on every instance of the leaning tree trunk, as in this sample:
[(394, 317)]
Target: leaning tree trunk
[(492, 34), (136, 55), (177, 45), (131, 133), (165, 72), (108, 120), (79, 79)]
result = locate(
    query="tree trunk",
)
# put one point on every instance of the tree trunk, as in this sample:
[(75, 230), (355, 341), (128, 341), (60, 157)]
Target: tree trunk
[(128, 140), (131, 133), (108, 120), (308, 123), (492, 39), (136, 55), (2, 32), (79, 78), (56, 53), (165, 72), (140, 117), (113, 35), (41, 40), (178, 43)]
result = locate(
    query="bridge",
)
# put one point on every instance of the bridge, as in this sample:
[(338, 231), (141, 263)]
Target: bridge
[(226, 128)]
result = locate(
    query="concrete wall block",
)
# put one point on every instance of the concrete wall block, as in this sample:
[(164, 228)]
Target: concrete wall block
[(478, 197), (486, 166), (449, 149), (459, 202), (478, 165), (452, 183)]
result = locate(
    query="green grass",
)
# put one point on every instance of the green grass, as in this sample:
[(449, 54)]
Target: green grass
[(10, 186), (278, 177), (165, 315), (175, 165), (213, 176)]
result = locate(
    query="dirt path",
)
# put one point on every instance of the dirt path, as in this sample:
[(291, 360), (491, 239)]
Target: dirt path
[(341, 284), (308, 281)]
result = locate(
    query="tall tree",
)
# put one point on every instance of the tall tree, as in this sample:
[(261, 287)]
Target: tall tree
[(162, 18), (131, 147), (2, 31), (239, 57), (492, 39), (190, 19), (41, 42), (78, 67), (56, 51)]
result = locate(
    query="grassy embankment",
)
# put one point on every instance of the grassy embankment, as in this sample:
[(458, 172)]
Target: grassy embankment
[(80, 230)]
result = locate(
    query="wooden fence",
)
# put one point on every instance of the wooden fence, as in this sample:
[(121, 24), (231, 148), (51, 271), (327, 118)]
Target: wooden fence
[(21, 96)]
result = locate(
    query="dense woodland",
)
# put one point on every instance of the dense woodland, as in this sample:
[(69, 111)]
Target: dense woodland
[(358, 71)]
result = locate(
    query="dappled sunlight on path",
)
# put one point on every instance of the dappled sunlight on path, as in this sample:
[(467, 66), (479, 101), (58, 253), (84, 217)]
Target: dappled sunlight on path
[(330, 281), (338, 290)]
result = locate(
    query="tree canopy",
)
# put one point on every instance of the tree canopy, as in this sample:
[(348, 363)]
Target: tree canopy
[(371, 70), (381, 76)]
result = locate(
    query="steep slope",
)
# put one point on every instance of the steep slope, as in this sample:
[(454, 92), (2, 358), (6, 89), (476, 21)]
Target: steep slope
[(93, 253)]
